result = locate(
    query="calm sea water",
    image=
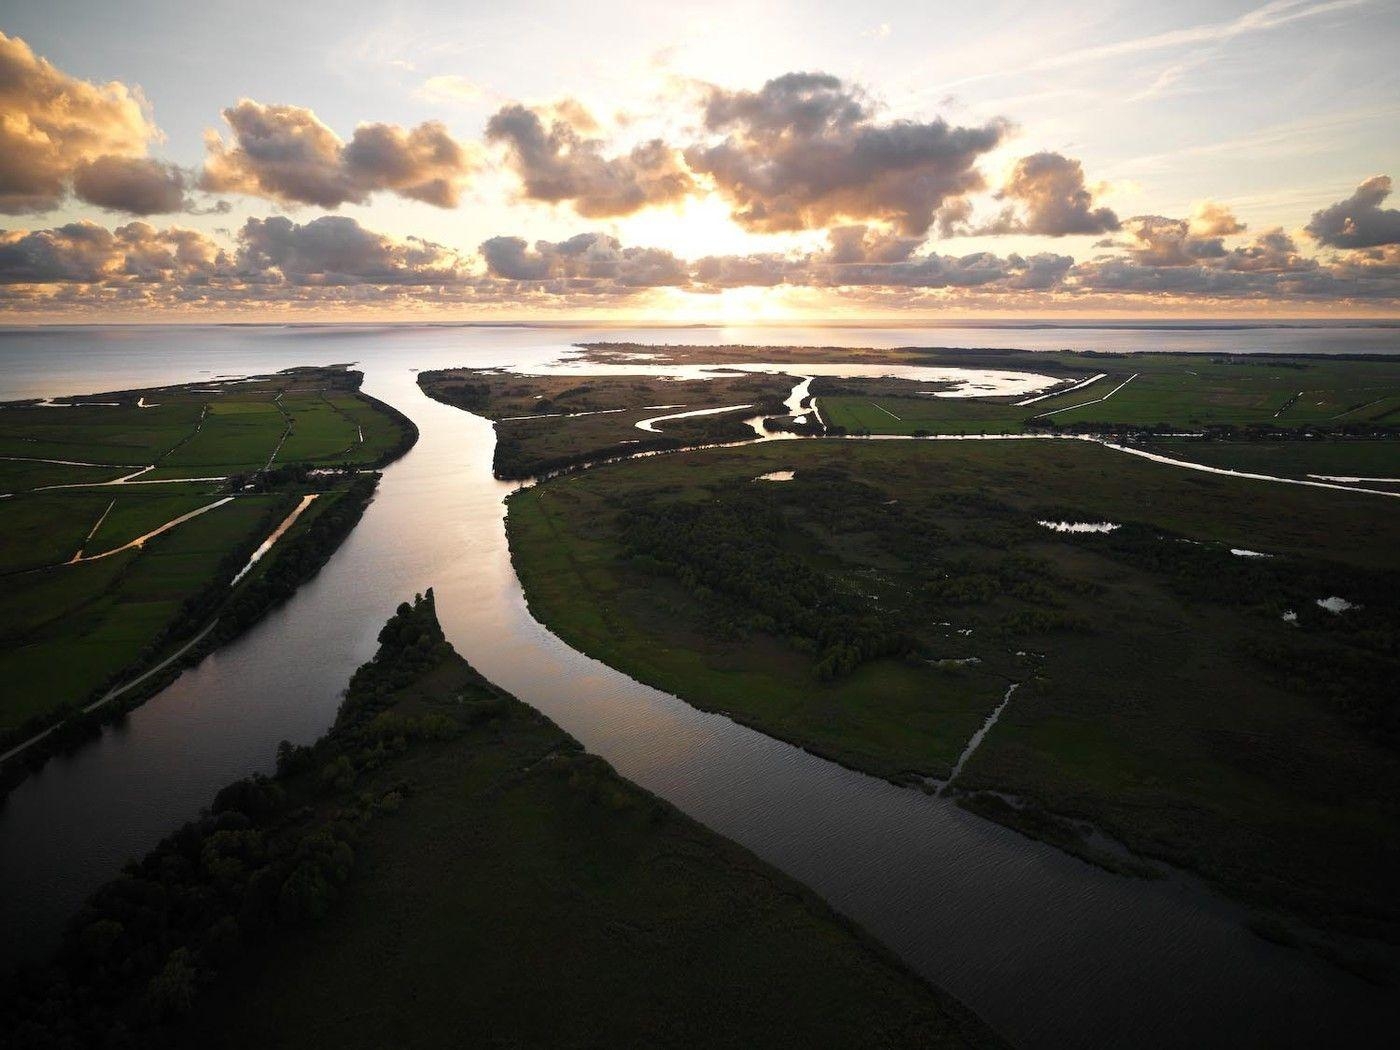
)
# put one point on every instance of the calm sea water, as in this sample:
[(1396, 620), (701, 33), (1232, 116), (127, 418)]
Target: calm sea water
[(1049, 950)]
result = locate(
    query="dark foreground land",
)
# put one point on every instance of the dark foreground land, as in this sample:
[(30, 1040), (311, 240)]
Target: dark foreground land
[(446, 868), (1195, 703), (127, 517)]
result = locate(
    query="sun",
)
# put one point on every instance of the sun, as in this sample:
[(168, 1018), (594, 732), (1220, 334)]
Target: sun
[(698, 227)]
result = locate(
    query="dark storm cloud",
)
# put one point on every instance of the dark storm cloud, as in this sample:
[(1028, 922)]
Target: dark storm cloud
[(285, 153), (1053, 199), (1359, 221), (558, 164), (806, 150)]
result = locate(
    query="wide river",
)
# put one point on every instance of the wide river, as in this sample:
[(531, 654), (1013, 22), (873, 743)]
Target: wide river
[(1049, 950)]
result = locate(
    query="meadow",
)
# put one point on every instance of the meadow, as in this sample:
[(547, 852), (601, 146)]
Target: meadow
[(1194, 703)]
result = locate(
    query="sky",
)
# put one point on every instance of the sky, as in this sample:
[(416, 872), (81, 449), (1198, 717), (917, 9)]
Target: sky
[(688, 162)]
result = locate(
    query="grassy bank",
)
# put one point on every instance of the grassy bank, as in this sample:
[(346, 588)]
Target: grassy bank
[(440, 864), (874, 608)]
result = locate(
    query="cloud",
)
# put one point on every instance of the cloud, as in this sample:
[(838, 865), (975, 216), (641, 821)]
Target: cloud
[(561, 165), (85, 253), (1271, 252), (588, 262), (1156, 240), (337, 250), (334, 262), (139, 185), (450, 89), (1209, 219), (1050, 187), (862, 244), (286, 154), (806, 150), (1359, 221), (332, 251), (53, 126)]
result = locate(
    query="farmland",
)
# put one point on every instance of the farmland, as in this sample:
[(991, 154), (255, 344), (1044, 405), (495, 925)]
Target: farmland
[(125, 516)]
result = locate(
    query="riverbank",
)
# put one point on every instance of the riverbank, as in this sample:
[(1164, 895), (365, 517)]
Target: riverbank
[(440, 862)]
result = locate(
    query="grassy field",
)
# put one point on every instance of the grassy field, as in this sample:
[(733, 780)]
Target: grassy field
[(109, 616), (97, 433), (1145, 390), (544, 423), (1343, 458), (438, 866), (1163, 694), (68, 630), (879, 413), (24, 476), (319, 431)]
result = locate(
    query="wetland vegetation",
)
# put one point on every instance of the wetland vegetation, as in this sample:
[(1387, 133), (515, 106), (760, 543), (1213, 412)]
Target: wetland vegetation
[(429, 871), (1192, 701), (549, 423)]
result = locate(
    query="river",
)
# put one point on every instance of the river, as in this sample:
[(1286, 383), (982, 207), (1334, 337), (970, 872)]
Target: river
[(1049, 950)]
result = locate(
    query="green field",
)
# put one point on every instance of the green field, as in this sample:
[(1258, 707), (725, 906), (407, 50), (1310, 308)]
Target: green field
[(890, 414), (1344, 458), (68, 630), (446, 868), (1177, 391), (319, 431), (23, 476), (97, 433), (112, 615), (1163, 695)]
